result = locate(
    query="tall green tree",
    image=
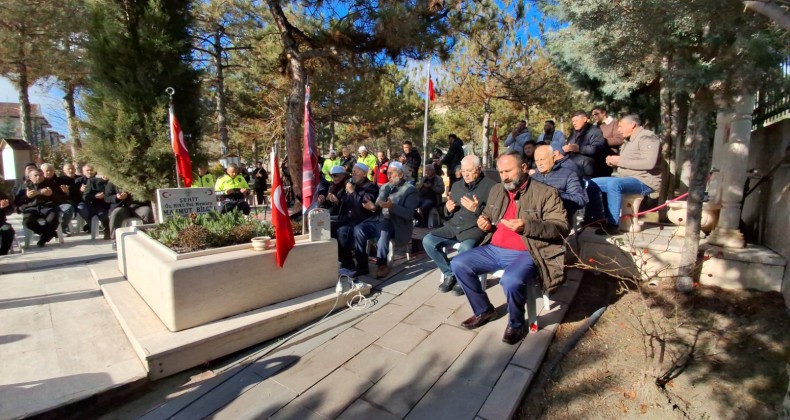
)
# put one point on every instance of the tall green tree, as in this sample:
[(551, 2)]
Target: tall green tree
[(28, 30), (708, 49), (136, 49)]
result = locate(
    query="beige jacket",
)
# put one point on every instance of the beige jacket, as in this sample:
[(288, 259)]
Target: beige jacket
[(639, 158)]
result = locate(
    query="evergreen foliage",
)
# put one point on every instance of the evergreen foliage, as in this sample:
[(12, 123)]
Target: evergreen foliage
[(136, 49)]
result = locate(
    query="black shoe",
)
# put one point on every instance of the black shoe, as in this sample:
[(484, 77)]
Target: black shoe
[(476, 321), (514, 335), (458, 290), (447, 284), (41, 243), (86, 229), (608, 230)]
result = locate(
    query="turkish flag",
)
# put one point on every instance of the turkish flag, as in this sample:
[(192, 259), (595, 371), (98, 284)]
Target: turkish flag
[(311, 174), (495, 140), (284, 235), (431, 91), (183, 162)]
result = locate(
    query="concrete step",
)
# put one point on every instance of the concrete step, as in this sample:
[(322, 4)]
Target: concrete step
[(164, 353)]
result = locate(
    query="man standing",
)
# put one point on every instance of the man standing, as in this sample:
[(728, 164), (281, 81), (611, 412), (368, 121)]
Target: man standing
[(368, 159), (550, 135), (608, 126), (261, 178), (465, 203), (587, 147), (347, 160), (525, 223), (395, 205), (354, 218), (204, 179), (453, 157), (564, 180), (638, 172), (520, 135), (329, 163), (233, 189), (413, 162), (430, 191), (381, 168)]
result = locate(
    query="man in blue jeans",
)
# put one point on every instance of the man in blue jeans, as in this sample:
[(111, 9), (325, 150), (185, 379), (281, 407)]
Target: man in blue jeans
[(525, 223), (638, 172), (465, 204)]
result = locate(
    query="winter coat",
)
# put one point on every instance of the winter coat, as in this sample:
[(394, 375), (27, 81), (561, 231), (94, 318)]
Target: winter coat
[(462, 223)]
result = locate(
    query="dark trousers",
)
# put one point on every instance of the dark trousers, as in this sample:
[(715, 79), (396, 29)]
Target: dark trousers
[(259, 194), (353, 238), (134, 210), (231, 205), (6, 238), (87, 211), (520, 273), (424, 209), (42, 222)]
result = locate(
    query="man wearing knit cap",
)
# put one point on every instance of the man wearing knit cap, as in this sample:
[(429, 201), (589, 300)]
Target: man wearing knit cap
[(368, 159), (353, 217), (396, 203)]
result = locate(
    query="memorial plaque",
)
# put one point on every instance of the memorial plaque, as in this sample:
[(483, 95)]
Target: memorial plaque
[(319, 220), (184, 201)]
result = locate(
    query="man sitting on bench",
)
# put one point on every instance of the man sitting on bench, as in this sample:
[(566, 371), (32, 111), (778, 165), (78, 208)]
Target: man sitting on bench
[(638, 172), (525, 223)]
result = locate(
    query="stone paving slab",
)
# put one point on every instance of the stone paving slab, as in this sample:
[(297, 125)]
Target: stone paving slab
[(60, 342)]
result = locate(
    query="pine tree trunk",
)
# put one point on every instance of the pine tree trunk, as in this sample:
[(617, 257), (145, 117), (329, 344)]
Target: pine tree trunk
[(666, 136), (484, 135), (295, 109), (222, 125), (700, 166), (22, 84), (72, 120)]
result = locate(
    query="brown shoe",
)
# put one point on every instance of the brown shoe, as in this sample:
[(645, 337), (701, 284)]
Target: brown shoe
[(382, 271), (514, 335), (476, 321)]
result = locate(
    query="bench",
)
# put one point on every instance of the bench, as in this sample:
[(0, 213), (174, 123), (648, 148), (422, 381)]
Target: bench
[(629, 210), (533, 293)]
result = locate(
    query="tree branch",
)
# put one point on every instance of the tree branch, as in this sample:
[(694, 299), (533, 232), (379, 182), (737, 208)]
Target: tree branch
[(770, 10)]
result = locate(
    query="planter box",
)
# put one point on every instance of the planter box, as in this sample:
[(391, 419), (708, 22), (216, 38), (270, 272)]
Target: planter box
[(187, 290)]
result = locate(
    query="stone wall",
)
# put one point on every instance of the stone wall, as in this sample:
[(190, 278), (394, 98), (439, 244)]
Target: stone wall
[(767, 210)]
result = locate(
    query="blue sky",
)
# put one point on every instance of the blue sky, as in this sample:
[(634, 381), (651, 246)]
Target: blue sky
[(49, 97)]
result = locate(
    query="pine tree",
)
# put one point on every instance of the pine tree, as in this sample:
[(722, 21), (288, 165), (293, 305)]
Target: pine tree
[(136, 49)]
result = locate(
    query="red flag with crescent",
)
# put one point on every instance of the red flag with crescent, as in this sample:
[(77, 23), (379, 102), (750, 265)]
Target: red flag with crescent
[(284, 235), (183, 162)]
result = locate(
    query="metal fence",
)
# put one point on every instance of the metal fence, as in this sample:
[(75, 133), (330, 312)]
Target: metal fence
[(772, 102)]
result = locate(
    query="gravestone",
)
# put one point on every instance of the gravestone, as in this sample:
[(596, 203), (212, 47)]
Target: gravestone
[(318, 220), (184, 201)]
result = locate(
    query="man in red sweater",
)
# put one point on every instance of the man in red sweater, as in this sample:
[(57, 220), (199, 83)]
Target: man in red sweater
[(525, 223)]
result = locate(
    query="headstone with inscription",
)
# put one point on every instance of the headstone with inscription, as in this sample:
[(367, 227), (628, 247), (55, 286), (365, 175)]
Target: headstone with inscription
[(184, 201), (318, 220)]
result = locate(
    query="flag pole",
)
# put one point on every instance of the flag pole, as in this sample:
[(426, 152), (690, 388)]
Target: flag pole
[(170, 91), (425, 124)]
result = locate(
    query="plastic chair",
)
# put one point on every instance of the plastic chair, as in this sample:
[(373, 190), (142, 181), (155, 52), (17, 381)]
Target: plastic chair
[(29, 235)]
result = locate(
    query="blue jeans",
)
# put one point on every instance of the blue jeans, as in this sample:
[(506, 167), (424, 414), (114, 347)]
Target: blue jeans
[(520, 273), (614, 188), (66, 214), (434, 245)]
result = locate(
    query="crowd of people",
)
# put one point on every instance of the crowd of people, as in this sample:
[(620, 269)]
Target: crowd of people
[(518, 225), (49, 202)]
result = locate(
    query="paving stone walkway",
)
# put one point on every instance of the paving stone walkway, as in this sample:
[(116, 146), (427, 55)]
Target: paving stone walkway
[(406, 357)]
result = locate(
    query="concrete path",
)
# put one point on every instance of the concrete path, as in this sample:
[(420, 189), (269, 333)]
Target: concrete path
[(76, 249), (406, 357), (59, 342)]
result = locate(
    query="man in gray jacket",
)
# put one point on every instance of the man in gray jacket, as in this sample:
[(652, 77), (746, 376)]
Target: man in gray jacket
[(465, 204), (397, 202), (638, 172)]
